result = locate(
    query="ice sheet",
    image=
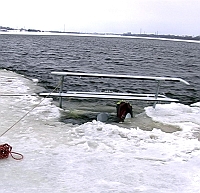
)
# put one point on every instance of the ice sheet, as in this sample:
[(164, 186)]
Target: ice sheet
[(95, 156)]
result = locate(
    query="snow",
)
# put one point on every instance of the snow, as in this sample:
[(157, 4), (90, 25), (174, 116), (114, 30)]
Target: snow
[(94, 156)]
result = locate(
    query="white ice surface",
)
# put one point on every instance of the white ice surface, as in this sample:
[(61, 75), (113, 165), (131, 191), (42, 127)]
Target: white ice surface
[(94, 157)]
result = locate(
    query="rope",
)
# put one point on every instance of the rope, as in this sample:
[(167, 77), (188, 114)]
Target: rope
[(6, 149), (30, 111)]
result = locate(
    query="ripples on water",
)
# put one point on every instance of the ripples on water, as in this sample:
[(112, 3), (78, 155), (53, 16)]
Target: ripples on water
[(37, 56)]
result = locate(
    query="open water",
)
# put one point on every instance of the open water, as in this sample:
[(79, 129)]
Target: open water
[(67, 150), (37, 56)]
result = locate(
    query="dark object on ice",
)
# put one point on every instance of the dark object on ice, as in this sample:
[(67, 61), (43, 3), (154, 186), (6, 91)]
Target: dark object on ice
[(123, 108)]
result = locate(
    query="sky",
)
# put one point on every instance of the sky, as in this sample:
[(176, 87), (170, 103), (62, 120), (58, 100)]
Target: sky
[(175, 17)]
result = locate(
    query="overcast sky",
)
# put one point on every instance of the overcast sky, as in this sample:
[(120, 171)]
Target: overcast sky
[(178, 17)]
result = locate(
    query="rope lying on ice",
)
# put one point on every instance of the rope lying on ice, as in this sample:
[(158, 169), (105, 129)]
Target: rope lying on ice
[(29, 111), (6, 149)]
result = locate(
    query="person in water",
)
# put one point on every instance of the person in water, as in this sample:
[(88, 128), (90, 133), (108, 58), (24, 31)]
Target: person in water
[(123, 108)]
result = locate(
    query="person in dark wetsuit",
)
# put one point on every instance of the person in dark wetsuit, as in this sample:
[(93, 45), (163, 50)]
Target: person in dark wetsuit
[(123, 108)]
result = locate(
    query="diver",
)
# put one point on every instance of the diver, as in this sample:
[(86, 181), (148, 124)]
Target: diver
[(123, 108)]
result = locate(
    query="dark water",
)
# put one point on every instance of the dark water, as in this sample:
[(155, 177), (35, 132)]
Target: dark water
[(37, 56)]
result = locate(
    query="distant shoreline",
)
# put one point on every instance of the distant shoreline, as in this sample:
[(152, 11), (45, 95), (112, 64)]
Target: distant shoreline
[(128, 34), (125, 35)]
